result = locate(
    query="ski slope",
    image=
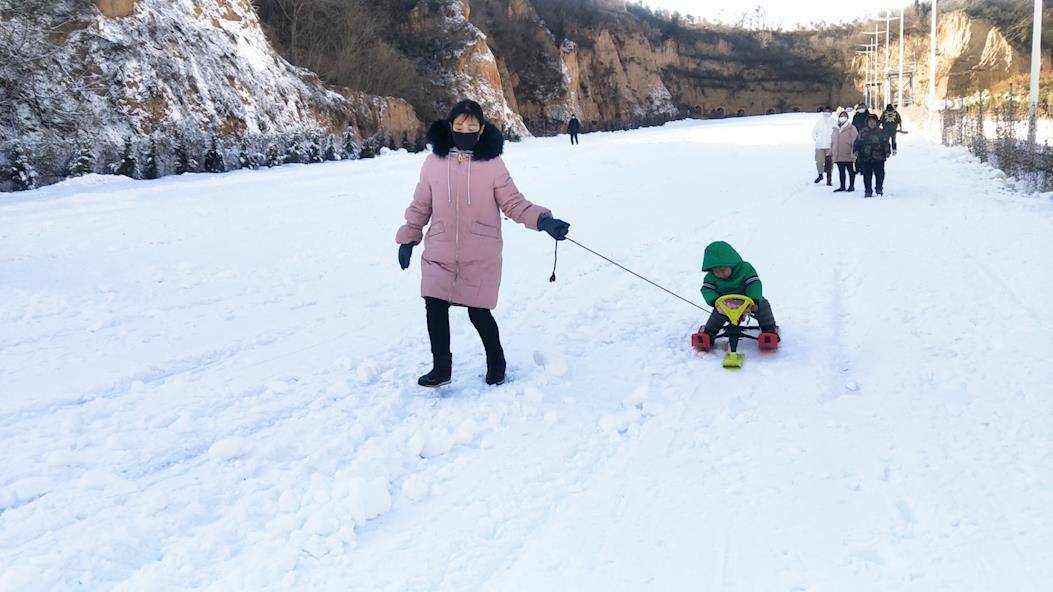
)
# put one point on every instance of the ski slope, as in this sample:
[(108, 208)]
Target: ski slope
[(208, 381)]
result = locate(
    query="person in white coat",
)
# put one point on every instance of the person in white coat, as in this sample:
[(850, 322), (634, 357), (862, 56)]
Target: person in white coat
[(821, 135)]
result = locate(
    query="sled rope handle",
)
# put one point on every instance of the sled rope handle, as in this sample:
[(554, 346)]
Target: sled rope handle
[(626, 269)]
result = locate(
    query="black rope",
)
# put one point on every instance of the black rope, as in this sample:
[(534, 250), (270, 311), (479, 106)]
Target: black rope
[(555, 259), (624, 268)]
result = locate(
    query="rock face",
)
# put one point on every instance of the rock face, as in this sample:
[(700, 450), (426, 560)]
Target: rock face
[(116, 8), (609, 65), (972, 54), (170, 71)]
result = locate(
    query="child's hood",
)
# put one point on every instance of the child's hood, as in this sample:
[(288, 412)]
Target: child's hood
[(720, 254)]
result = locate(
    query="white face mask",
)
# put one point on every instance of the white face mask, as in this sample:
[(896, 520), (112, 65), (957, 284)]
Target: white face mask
[(826, 114), (842, 119)]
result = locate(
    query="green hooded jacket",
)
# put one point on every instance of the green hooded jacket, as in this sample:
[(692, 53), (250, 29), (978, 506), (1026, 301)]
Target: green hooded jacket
[(743, 278)]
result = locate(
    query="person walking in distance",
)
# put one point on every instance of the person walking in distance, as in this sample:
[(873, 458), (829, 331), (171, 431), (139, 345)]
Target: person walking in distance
[(890, 124), (873, 149), (574, 128), (821, 136), (842, 142)]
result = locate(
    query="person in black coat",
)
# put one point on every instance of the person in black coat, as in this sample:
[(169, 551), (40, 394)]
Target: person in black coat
[(859, 120), (574, 128)]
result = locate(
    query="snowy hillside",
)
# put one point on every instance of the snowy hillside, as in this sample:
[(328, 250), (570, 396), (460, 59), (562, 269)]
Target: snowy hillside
[(209, 381), (83, 77)]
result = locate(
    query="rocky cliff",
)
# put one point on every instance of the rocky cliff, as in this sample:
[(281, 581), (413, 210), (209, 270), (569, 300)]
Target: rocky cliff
[(97, 73), (534, 63), (978, 46)]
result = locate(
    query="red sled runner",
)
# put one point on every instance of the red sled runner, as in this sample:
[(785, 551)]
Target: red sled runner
[(738, 309)]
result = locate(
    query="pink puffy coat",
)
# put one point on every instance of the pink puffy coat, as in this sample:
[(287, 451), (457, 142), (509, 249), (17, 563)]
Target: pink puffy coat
[(463, 198)]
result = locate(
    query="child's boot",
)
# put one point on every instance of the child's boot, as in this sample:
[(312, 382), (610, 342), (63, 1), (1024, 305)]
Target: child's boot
[(441, 372)]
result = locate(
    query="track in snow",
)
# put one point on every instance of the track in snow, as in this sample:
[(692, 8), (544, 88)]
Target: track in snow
[(209, 381)]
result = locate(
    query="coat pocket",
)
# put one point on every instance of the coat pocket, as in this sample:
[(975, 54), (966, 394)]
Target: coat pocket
[(485, 230), (436, 229)]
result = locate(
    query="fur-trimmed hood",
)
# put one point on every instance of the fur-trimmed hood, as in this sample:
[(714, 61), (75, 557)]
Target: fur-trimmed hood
[(490, 146)]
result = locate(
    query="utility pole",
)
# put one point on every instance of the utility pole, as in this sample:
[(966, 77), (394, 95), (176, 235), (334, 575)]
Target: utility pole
[(873, 46), (1036, 64), (899, 85), (932, 59)]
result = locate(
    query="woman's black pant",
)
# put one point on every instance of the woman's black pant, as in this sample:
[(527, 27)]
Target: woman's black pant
[(873, 175), (846, 167), (438, 312)]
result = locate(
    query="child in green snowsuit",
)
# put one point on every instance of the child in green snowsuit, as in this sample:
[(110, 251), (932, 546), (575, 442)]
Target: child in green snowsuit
[(729, 274)]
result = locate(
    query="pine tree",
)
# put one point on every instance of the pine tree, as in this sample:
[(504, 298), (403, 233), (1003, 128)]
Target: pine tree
[(371, 147), (128, 166), (314, 151), (294, 154), (83, 161), (329, 153), (185, 163), (214, 158), (22, 174), (244, 160), (150, 168), (352, 150), (273, 157)]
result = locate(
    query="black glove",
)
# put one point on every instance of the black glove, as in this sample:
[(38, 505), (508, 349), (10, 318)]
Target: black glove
[(405, 251), (555, 227)]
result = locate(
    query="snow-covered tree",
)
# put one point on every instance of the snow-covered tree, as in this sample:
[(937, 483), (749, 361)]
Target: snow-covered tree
[(272, 158), (329, 150), (151, 170), (314, 151), (21, 172), (352, 150), (82, 162), (128, 165), (294, 154), (185, 163), (244, 157), (214, 158), (371, 147)]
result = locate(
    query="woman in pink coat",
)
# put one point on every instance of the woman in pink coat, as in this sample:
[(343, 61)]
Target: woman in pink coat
[(464, 188)]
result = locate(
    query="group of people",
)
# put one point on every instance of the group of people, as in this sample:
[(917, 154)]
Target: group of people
[(857, 142)]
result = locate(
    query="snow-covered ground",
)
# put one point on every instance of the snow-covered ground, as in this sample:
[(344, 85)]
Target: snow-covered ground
[(209, 381)]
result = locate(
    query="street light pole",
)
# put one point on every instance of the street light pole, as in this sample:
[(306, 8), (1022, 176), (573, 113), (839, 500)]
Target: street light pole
[(932, 59), (1036, 63), (899, 85)]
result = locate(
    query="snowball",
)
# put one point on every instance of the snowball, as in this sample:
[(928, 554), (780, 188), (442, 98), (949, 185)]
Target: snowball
[(182, 425), (638, 396), (228, 448), (852, 386), (551, 418), (415, 487), (369, 499), (288, 502), (465, 432), (338, 389), (64, 458), (619, 422), (366, 373), (533, 394)]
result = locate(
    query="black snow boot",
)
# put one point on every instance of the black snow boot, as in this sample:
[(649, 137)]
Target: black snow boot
[(771, 329), (441, 372), (819, 178), (495, 368)]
